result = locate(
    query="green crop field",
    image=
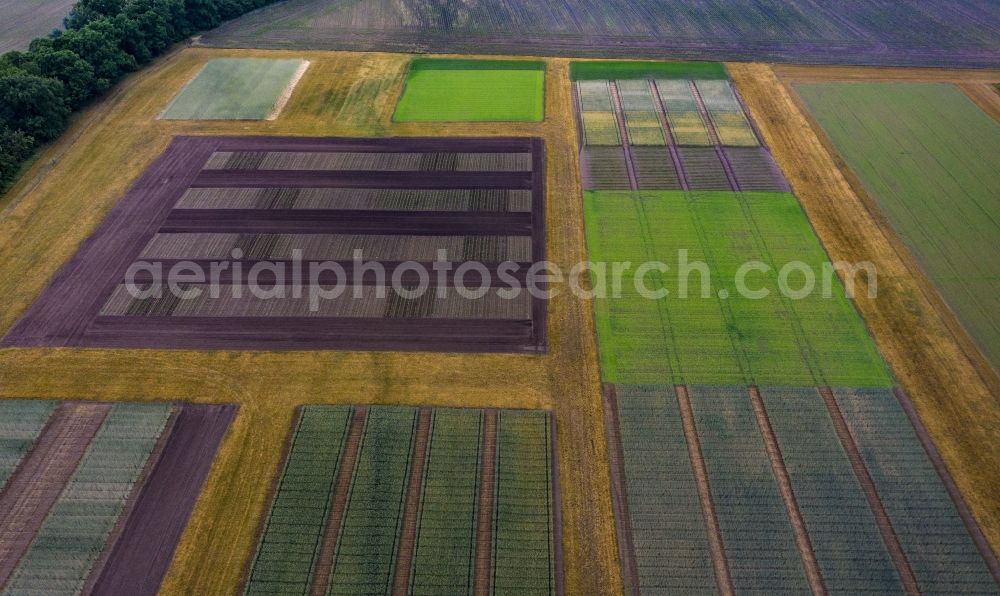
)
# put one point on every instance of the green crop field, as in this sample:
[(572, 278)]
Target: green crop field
[(439, 90), (234, 89), (929, 157), (774, 340), (639, 69)]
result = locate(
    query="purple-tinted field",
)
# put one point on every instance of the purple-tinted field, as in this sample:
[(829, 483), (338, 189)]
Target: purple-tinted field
[(259, 201), (904, 32)]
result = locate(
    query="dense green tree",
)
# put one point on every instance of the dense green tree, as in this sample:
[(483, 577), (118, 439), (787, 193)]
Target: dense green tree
[(16, 147), (33, 104)]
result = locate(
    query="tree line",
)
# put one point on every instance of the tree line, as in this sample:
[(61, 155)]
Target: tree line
[(103, 41)]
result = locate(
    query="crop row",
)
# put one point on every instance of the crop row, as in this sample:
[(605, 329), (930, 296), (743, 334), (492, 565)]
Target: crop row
[(357, 199), (81, 519), (748, 489), (370, 161), (360, 486)]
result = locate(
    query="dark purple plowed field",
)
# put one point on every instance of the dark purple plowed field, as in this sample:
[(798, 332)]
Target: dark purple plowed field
[(146, 546), (145, 226), (901, 32)]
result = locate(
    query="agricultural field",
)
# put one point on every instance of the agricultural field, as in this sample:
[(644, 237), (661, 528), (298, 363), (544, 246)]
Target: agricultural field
[(658, 129), (839, 487), (928, 157), (413, 500), (959, 33), (237, 89), (246, 200), (96, 495), (721, 336), (23, 20), (445, 90), (416, 468)]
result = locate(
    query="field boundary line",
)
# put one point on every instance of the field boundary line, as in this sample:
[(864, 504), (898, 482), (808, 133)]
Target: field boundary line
[(784, 483), (949, 483), (406, 548), (885, 528), (716, 547), (483, 564), (619, 497), (964, 342), (323, 569), (616, 102), (131, 501), (288, 91), (36, 485)]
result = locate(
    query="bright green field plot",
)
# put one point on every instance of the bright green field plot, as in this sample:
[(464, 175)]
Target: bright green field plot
[(473, 91), (234, 89), (816, 340), (930, 158), (625, 69)]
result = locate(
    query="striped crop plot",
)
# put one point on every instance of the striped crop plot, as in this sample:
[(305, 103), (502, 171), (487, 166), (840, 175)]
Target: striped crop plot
[(745, 489), (672, 126), (338, 211), (928, 158), (96, 496), (412, 501), (237, 89), (446, 90), (705, 338)]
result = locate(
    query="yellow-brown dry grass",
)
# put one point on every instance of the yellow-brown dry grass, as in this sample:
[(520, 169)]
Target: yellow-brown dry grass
[(75, 183), (955, 396)]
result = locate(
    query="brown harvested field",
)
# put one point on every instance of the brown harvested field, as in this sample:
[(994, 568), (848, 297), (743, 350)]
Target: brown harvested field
[(954, 391), (78, 180)]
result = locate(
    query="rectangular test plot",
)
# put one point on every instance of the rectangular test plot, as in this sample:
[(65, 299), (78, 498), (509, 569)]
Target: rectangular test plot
[(315, 244), (237, 89), (427, 501)]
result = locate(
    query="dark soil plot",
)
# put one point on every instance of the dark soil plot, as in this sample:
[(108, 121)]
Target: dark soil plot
[(239, 202), (413, 500), (907, 32), (99, 502), (779, 489)]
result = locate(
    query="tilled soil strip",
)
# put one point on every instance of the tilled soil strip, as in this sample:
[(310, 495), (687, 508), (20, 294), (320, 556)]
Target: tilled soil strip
[(813, 573), (616, 101), (619, 497), (885, 528), (283, 333), (131, 502), (483, 566), (719, 560), (141, 556), (39, 480), (408, 530), (338, 502)]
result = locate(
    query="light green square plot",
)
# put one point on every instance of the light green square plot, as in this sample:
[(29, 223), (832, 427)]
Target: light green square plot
[(236, 89), (443, 90)]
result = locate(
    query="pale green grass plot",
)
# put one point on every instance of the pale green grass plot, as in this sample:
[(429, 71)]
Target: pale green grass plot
[(234, 89)]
